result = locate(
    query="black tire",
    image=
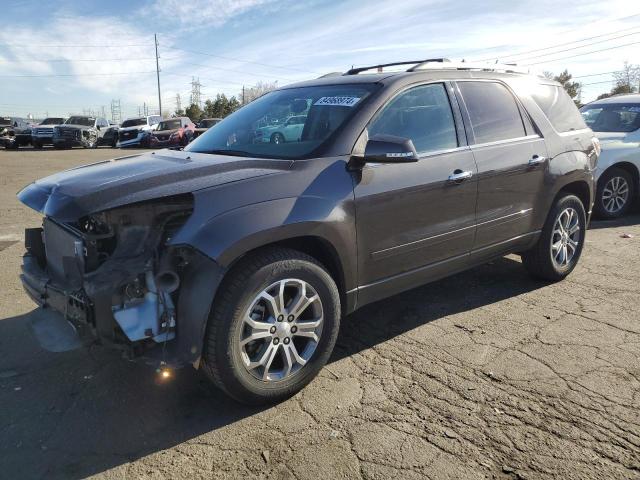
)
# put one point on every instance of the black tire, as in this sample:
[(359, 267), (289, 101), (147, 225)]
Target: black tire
[(601, 202), (222, 352), (277, 138), (59, 146), (539, 260), (37, 145)]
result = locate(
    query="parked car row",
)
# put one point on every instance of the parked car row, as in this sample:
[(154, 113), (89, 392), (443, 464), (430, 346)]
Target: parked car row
[(91, 132)]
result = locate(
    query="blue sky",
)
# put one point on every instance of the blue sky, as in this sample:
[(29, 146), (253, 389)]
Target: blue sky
[(66, 56)]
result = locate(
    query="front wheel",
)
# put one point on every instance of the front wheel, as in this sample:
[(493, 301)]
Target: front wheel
[(272, 327), (559, 247), (277, 138)]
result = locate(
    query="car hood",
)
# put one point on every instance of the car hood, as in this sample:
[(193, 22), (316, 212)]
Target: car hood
[(135, 127), (72, 194), (166, 132), (610, 136), (71, 125)]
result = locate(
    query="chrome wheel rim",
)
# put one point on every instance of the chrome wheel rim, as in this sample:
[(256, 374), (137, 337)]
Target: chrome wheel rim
[(281, 329), (565, 238), (615, 194)]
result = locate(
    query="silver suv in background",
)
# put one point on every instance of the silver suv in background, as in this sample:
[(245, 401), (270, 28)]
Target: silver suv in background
[(616, 122), (137, 131), (42, 134)]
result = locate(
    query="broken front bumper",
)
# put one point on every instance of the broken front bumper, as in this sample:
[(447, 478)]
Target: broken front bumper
[(156, 327)]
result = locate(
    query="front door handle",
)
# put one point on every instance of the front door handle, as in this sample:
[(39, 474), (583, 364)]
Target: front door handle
[(459, 176), (536, 160)]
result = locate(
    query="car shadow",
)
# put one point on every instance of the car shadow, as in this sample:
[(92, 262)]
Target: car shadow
[(79, 413), (626, 221)]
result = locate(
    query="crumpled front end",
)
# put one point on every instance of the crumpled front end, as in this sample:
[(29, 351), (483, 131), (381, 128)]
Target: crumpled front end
[(115, 275), (73, 136)]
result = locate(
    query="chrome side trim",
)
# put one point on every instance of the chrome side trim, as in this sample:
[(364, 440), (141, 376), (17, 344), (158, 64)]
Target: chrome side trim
[(507, 141), (385, 252)]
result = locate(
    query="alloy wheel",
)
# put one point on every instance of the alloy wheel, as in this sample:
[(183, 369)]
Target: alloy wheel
[(565, 237), (281, 329), (615, 195)]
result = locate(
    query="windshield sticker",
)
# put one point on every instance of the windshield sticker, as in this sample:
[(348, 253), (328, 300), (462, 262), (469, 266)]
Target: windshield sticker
[(338, 101)]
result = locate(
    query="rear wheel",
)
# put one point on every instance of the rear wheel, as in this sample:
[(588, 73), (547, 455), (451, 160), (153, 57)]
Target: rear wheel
[(273, 326), (615, 193), (559, 247)]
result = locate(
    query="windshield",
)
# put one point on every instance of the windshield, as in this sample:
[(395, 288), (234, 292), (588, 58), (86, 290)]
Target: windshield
[(52, 121), (169, 125), (87, 121), (134, 122), (612, 117), (208, 123), (288, 123)]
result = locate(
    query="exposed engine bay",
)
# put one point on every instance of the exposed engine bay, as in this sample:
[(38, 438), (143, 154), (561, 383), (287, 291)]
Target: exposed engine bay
[(114, 271)]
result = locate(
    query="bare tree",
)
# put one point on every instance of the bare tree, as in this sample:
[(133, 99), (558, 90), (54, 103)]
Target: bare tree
[(249, 94), (629, 76)]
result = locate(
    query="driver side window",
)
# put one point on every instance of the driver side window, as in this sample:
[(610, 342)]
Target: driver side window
[(422, 114)]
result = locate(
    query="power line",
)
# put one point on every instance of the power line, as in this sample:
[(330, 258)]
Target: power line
[(608, 20), (47, 60), (236, 71), (77, 74), (598, 74), (581, 54), (243, 61), (75, 45), (576, 47), (565, 43)]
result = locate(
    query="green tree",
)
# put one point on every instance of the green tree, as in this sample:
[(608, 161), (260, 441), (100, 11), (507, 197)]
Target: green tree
[(572, 88), (194, 112), (221, 106), (617, 90)]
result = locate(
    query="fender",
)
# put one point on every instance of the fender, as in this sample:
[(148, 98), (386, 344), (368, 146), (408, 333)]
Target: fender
[(231, 235)]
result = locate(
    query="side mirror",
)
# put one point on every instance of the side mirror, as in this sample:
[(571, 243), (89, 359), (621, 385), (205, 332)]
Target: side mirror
[(389, 149), (98, 127)]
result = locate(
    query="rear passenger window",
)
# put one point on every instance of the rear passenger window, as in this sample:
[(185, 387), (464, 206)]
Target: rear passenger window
[(422, 114), (557, 105), (493, 111)]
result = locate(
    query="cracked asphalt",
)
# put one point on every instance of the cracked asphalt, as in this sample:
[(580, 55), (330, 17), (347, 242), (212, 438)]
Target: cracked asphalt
[(487, 374)]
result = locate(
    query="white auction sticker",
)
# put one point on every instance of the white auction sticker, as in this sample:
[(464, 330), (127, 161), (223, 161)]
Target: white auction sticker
[(338, 101)]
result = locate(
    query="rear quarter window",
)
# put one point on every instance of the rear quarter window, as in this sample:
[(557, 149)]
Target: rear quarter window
[(493, 111), (559, 108)]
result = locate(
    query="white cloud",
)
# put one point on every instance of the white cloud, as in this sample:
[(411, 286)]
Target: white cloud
[(200, 13)]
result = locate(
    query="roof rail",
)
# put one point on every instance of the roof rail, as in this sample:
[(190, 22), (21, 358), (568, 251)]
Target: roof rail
[(355, 71), (485, 67)]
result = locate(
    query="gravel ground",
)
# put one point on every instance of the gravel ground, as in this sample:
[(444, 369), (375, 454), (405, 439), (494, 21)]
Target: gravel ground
[(487, 374)]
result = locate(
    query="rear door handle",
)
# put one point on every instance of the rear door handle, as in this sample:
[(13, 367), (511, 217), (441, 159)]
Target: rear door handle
[(459, 176), (536, 160)]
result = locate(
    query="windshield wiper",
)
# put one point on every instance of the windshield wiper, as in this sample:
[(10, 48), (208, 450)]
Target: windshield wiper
[(231, 153)]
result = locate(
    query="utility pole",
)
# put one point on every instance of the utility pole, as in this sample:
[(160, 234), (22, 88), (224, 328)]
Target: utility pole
[(242, 94), (155, 38), (116, 112), (195, 91), (178, 103)]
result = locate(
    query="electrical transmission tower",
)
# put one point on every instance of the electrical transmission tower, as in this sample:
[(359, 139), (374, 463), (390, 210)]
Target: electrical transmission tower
[(116, 112), (195, 91)]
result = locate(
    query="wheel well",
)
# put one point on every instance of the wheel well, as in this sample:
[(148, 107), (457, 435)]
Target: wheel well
[(631, 169), (317, 248), (581, 190)]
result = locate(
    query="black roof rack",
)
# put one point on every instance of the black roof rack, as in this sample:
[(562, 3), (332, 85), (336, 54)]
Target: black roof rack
[(416, 63)]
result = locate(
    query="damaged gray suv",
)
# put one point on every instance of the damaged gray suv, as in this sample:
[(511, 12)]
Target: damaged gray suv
[(240, 256)]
